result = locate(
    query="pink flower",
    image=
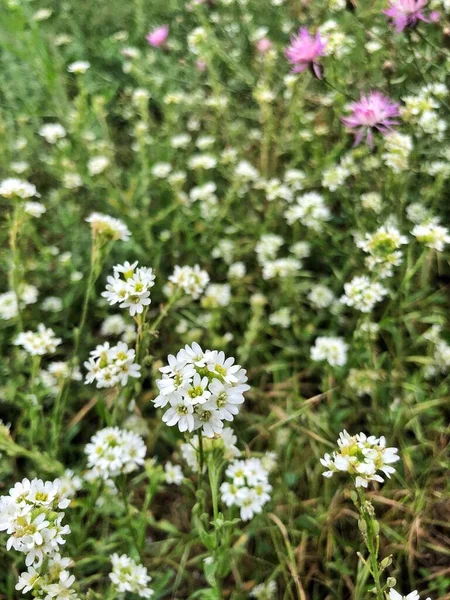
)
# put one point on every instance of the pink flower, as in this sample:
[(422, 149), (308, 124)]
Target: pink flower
[(158, 36), (304, 51), (372, 112), (406, 13), (263, 45)]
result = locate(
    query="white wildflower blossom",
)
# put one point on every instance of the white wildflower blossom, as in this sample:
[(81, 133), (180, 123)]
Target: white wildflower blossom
[(362, 456)]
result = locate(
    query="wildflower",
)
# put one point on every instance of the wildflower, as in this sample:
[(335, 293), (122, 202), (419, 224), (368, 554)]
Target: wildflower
[(157, 37), (383, 248), (406, 13), (217, 295), (201, 388), (192, 280), (320, 296), (363, 294), (79, 67), (38, 343), (52, 132), (267, 247), (97, 164), (113, 451), (17, 188), (310, 210), (129, 577), (109, 366), (32, 516), (305, 50), (362, 456), (331, 349), (374, 112), (432, 234), (264, 591), (108, 227), (173, 473), (130, 285), (281, 267), (249, 488), (393, 595), (35, 209), (281, 318)]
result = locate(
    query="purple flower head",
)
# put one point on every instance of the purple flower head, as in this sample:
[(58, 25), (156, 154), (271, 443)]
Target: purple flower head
[(406, 13), (158, 36), (305, 50), (372, 112)]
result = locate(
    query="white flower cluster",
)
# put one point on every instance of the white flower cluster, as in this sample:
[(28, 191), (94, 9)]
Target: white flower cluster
[(53, 582), (9, 308), (31, 514), (173, 474), (394, 595), (383, 249), (130, 285), (17, 188), (398, 148), (108, 227), (361, 456), (110, 365), (192, 280), (202, 389), (249, 488), (128, 576), (217, 295), (331, 349), (310, 210), (432, 234), (113, 451), (52, 132), (281, 267), (362, 293), (40, 342)]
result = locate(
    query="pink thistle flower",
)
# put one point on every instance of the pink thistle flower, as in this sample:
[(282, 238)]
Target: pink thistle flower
[(158, 36), (304, 51), (263, 45), (372, 112), (406, 13)]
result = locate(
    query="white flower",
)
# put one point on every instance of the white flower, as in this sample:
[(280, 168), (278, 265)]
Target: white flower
[(192, 280), (52, 132), (35, 209), (173, 473), (363, 294), (38, 343), (393, 595), (129, 577), (109, 366), (249, 488), (161, 170), (97, 164), (320, 296), (361, 456), (331, 349), (216, 295), (432, 234), (281, 267), (130, 286), (79, 67), (108, 227), (113, 451), (202, 390), (17, 188), (267, 247), (310, 210)]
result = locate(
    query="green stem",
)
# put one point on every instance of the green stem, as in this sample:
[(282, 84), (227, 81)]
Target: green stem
[(15, 264), (61, 400), (372, 541)]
